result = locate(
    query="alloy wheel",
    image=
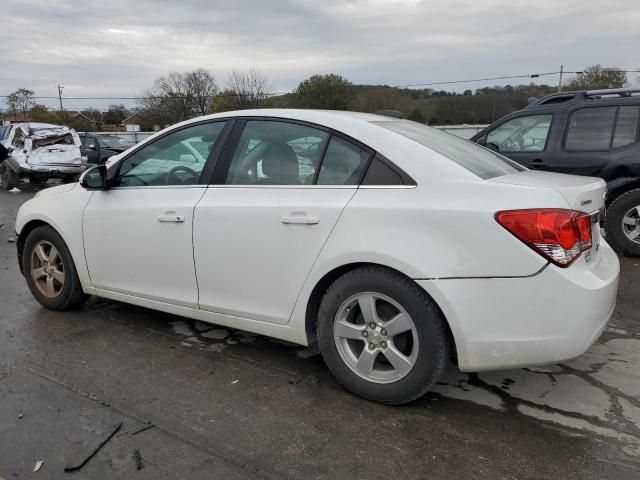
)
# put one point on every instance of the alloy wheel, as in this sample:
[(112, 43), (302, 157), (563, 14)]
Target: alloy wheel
[(631, 224), (376, 337), (47, 269)]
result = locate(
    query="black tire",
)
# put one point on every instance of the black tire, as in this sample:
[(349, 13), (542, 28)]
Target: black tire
[(71, 295), (8, 176), (35, 180), (433, 354), (614, 227), (70, 178)]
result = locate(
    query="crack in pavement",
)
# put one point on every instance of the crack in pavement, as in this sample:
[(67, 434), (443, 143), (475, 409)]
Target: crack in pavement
[(246, 464)]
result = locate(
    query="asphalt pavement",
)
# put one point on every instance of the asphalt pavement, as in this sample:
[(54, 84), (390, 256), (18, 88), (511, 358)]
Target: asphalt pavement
[(170, 397)]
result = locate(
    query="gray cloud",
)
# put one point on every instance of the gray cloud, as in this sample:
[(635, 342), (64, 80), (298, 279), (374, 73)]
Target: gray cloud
[(119, 47)]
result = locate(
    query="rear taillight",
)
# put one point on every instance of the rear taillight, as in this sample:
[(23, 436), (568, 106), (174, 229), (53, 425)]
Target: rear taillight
[(557, 234), (83, 152)]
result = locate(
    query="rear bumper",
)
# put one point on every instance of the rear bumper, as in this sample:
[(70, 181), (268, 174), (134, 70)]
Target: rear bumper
[(53, 170), (49, 170), (500, 323)]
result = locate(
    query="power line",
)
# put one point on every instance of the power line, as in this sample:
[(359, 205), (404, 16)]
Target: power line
[(503, 77)]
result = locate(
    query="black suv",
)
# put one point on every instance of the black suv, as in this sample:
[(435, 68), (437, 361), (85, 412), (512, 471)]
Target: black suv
[(593, 133), (101, 147)]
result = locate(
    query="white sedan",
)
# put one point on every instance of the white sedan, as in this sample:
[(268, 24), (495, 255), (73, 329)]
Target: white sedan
[(390, 246)]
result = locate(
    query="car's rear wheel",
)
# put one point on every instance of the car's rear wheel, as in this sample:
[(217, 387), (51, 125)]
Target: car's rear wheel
[(49, 269), (8, 177), (382, 336), (622, 223)]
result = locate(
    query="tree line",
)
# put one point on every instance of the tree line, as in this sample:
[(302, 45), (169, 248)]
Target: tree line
[(179, 96)]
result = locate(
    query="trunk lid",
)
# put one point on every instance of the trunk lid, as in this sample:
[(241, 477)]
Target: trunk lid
[(585, 194), (54, 147)]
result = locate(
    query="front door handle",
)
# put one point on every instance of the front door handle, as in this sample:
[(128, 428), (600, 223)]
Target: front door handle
[(170, 217), (300, 218), (537, 163)]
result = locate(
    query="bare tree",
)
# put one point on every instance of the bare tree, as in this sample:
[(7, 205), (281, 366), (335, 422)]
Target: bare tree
[(251, 88), (178, 96), (21, 99), (203, 87), (176, 93)]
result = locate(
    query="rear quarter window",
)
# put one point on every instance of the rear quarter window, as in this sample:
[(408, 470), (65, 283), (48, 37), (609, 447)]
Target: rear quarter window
[(479, 160)]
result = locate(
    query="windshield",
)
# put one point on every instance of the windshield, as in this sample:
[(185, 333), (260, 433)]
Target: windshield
[(478, 160), (113, 142)]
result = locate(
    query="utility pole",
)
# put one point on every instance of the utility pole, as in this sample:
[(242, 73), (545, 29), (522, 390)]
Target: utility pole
[(560, 82), (64, 115)]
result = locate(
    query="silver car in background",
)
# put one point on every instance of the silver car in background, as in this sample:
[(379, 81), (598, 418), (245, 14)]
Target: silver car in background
[(38, 152)]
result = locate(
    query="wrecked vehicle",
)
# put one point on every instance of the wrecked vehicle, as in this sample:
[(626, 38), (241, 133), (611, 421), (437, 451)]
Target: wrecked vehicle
[(39, 151)]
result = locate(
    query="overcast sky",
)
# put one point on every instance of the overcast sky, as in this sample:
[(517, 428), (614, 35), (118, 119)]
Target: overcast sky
[(118, 47)]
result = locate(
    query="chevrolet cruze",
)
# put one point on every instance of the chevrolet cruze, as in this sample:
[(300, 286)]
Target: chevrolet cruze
[(389, 246)]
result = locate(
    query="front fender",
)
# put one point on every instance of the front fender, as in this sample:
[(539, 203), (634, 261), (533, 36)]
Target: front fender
[(62, 210)]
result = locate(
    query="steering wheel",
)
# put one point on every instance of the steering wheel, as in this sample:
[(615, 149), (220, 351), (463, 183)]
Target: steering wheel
[(173, 179)]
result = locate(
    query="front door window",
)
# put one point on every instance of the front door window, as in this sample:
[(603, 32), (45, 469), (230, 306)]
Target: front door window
[(521, 134), (175, 159)]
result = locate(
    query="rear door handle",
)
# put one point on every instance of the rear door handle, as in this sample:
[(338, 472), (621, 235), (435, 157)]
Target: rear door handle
[(300, 218), (170, 217)]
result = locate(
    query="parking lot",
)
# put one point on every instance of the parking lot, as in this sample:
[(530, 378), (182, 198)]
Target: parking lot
[(200, 401)]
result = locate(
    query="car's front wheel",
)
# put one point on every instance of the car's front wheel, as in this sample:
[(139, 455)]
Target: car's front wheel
[(36, 180), (49, 270), (382, 336), (622, 223)]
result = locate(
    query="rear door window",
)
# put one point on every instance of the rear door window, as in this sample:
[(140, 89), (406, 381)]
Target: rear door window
[(626, 131), (590, 129), (276, 153)]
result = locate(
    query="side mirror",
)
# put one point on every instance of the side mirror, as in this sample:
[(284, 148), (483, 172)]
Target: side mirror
[(482, 140), (95, 178), (4, 153)]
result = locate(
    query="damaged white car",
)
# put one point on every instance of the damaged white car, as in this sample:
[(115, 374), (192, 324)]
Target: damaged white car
[(39, 151)]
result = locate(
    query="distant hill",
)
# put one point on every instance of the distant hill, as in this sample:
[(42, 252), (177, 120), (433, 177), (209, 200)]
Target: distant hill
[(439, 107)]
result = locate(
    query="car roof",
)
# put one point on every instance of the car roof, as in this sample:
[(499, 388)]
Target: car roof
[(37, 125), (613, 96)]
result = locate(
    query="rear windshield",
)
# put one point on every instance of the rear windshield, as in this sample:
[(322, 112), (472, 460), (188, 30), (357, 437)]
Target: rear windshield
[(478, 160), (63, 139)]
